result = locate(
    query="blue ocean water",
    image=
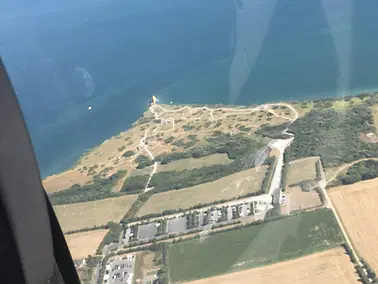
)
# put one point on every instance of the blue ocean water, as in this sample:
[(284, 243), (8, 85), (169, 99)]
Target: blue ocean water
[(112, 55)]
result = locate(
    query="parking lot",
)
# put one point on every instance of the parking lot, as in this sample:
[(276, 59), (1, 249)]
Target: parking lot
[(177, 225), (193, 220), (147, 231), (120, 270)]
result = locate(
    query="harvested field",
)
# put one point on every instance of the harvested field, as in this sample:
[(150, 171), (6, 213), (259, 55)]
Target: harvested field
[(331, 266), (84, 243), (94, 213), (301, 169), (228, 187), (299, 200), (64, 180), (253, 246), (357, 207)]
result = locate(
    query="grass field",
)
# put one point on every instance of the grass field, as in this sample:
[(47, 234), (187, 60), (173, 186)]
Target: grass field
[(228, 187), (331, 266), (191, 163), (301, 169), (357, 207), (186, 164), (94, 213), (253, 246), (330, 172), (84, 243), (64, 180)]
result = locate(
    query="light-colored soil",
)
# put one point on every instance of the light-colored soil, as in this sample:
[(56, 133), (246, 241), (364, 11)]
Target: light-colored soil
[(301, 169), (85, 243), (94, 213), (357, 207), (227, 187), (300, 200), (65, 180), (332, 266)]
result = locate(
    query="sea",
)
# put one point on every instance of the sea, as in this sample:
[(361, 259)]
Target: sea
[(84, 70)]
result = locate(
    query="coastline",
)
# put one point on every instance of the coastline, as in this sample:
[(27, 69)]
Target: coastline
[(48, 173)]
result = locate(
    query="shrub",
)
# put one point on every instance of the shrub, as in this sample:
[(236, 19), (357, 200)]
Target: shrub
[(144, 161), (128, 154)]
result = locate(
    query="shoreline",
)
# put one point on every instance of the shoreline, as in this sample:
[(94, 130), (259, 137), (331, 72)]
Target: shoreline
[(323, 96)]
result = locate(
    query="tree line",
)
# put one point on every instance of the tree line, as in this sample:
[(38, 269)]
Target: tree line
[(100, 188), (112, 236), (87, 229), (364, 277)]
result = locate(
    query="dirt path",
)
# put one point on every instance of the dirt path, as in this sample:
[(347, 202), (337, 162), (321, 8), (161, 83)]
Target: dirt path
[(328, 202), (348, 166), (157, 115)]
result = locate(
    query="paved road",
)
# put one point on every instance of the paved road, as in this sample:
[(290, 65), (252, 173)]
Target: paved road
[(279, 145)]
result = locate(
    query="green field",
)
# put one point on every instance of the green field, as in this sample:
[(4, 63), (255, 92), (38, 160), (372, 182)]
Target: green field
[(186, 164), (253, 246)]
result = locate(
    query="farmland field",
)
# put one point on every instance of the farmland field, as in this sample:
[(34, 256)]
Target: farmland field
[(357, 207), (227, 187), (302, 169), (331, 266), (253, 246), (94, 213), (84, 243)]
